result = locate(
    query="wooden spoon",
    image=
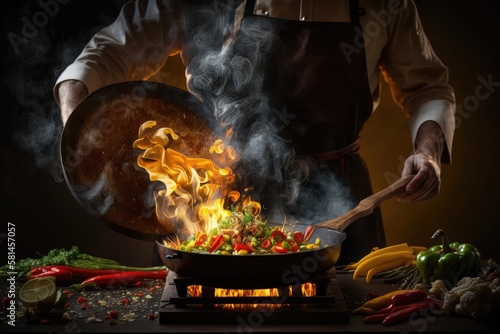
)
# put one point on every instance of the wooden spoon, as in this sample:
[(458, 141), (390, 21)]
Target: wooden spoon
[(364, 208)]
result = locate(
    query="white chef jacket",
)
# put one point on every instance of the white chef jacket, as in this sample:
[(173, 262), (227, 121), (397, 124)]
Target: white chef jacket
[(147, 32)]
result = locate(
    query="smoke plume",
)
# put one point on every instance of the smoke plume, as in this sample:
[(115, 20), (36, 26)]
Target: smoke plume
[(227, 77), (226, 74)]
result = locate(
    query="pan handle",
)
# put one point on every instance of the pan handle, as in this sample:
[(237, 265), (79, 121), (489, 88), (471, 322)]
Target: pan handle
[(366, 206)]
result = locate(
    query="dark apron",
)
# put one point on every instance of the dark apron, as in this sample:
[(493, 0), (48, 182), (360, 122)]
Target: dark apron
[(322, 99)]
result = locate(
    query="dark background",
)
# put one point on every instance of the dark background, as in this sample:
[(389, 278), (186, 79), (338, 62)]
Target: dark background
[(464, 34)]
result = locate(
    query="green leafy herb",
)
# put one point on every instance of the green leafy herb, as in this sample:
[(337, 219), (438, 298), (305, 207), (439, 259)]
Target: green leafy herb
[(71, 257)]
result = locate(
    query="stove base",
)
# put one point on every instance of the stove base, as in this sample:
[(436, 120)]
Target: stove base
[(328, 308)]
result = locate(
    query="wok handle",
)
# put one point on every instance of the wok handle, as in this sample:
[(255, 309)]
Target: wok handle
[(366, 206)]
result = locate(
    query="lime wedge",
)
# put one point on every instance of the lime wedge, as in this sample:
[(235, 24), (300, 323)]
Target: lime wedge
[(38, 290)]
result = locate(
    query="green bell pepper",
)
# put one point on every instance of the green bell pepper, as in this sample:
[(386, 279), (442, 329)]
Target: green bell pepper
[(449, 261)]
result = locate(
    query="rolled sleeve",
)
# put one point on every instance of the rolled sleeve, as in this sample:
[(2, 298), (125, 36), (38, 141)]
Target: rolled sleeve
[(134, 47), (440, 111), (80, 72), (417, 78)]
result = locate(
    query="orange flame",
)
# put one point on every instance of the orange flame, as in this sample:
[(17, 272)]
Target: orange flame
[(307, 289), (194, 187)]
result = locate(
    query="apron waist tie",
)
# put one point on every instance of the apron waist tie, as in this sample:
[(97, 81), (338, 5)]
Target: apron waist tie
[(338, 154)]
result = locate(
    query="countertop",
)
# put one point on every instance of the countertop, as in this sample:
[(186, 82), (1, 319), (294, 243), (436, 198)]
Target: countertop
[(136, 309)]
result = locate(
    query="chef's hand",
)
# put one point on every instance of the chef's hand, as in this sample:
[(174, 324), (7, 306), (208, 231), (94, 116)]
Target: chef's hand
[(425, 164), (68, 96)]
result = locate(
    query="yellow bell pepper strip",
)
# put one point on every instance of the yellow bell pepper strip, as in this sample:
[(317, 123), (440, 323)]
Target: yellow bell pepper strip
[(377, 252), (364, 310)]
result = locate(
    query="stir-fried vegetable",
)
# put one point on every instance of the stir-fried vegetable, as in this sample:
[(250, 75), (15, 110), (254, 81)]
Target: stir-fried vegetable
[(243, 232)]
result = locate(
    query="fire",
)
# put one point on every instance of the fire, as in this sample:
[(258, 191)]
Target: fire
[(307, 290), (195, 188)]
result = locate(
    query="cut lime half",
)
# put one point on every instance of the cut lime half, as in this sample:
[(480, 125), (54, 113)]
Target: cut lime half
[(38, 290)]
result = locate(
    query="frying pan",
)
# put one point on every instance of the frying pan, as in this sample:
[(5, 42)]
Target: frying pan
[(239, 271), (99, 160)]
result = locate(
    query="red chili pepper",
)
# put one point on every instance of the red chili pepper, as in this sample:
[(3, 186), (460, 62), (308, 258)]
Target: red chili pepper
[(391, 308), (266, 243), (75, 271), (61, 276), (238, 247), (38, 270), (384, 312), (404, 314), (217, 243), (405, 298), (122, 279), (298, 237)]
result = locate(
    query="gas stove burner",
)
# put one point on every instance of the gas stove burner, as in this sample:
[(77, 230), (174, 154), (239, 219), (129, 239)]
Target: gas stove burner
[(288, 304)]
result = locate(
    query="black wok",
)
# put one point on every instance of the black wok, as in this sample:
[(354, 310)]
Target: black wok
[(254, 271), (277, 269)]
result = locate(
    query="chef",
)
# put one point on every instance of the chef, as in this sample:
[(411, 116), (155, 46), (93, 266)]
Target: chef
[(323, 78)]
